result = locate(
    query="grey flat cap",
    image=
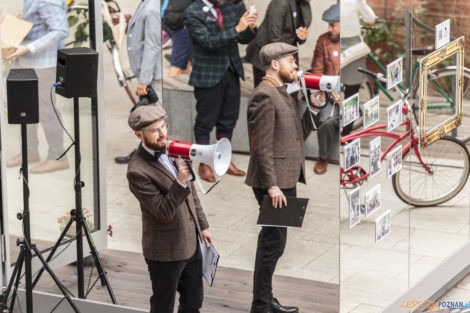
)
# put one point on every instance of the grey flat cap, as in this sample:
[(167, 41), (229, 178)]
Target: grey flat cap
[(275, 51), (332, 14), (145, 115)]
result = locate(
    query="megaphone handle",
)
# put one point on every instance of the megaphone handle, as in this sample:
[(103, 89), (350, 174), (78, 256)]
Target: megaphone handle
[(193, 176)]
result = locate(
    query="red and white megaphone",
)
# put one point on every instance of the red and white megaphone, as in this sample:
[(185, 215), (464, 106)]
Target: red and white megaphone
[(319, 82), (217, 156)]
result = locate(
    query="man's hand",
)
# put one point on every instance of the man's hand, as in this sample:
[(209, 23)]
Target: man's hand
[(141, 90), (277, 197), (207, 237), (254, 24), (302, 33), (246, 20), (20, 51), (183, 173)]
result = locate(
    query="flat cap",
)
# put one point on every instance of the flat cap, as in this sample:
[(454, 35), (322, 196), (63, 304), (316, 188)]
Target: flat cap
[(332, 14), (145, 115), (275, 51)]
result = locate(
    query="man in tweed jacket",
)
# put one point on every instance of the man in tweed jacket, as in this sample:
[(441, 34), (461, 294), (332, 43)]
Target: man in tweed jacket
[(277, 161), (172, 216), (216, 31)]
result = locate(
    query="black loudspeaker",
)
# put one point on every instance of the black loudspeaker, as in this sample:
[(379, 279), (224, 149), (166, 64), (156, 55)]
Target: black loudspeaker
[(77, 72), (22, 96)]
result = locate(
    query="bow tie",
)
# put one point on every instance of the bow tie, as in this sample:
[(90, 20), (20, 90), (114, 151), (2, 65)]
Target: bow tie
[(157, 154)]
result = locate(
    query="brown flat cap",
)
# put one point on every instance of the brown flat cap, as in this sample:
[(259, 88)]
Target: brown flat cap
[(145, 115), (275, 51)]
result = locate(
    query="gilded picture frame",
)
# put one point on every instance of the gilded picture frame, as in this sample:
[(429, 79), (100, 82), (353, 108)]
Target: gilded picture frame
[(456, 47)]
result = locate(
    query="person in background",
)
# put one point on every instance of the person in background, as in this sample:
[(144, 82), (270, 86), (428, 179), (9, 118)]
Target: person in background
[(285, 21), (216, 30), (326, 61), (39, 51)]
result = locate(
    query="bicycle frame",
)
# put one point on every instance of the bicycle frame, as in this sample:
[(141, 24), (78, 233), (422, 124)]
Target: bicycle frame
[(376, 131)]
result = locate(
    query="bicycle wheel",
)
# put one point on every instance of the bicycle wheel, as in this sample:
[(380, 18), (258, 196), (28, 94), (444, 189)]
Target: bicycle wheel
[(444, 77), (449, 162)]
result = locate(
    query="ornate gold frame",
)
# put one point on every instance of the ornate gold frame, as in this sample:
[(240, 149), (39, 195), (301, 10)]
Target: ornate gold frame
[(455, 47)]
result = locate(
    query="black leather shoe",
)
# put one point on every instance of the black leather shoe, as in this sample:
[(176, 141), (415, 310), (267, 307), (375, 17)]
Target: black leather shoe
[(276, 307), (124, 159)]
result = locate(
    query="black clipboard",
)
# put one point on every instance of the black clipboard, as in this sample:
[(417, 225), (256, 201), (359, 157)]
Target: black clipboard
[(291, 215)]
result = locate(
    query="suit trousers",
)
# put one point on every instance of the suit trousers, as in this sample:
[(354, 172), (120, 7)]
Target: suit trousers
[(218, 106), (271, 244), (182, 276)]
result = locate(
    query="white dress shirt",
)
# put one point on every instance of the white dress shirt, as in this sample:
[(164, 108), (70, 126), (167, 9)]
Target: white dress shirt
[(167, 162)]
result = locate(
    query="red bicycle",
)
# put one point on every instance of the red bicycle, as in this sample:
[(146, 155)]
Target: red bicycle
[(432, 176)]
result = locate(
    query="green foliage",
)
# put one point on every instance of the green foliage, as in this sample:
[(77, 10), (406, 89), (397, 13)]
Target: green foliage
[(78, 23)]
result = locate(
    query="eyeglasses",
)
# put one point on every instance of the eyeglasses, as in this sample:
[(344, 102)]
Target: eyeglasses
[(291, 61), (160, 129)]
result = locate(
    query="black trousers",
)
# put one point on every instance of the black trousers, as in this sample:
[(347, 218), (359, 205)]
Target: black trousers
[(217, 106), (182, 276), (271, 244)]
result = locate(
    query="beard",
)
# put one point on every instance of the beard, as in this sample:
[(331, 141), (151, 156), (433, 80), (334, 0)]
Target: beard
[(159, 145), (286, 76), (334, 38)]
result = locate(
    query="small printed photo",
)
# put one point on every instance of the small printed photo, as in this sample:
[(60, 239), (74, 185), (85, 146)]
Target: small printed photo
[(371, 112), (354, 207), (372, 200), (394, 161), (394, 115), (352, 154), (383, 226), (375, 154), (394, 73), (350, 109)]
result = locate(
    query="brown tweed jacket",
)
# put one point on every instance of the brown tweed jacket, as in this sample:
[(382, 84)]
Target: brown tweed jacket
[(171, 214), (277, 136)]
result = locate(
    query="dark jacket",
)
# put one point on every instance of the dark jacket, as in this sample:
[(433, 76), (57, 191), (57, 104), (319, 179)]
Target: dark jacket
[(282, 19), (171, 214), (277, 136), (212, 46)]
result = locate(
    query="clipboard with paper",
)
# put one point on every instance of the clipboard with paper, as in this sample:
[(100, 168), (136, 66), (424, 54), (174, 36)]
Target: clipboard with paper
[(210, 259), (291, 215)]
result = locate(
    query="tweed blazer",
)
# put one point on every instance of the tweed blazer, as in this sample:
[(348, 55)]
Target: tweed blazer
[(279, 25), (326, 56), (212, 46), (171, 214), (277, 135)]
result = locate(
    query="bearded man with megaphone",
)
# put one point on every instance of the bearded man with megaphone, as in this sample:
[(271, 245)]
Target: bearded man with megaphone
[(277, 160), (173, 221)]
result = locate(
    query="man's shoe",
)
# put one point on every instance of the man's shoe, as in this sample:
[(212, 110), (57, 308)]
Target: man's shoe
[(124, 159), (276, 307), (233, 170), (205, 173), (50, 166), (321, 166), (16, 161)]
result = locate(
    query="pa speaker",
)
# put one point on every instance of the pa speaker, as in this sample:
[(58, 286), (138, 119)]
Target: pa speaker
[(22, 96), (77, 72)]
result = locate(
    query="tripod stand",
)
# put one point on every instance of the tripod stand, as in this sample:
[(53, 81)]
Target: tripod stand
[(80, 222), (26, 247)]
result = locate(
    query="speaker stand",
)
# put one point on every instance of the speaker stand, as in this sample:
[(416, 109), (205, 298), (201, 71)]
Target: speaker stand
[(80, 222), (26, 246)]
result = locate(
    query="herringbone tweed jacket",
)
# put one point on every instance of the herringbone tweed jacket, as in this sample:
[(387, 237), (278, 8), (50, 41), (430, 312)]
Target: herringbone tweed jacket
[(212, 46), (277, 136)]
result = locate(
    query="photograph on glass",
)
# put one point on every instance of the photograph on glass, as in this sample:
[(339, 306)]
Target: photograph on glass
[(372, 200), (441, 99), (394, 73), (375, 153), (394, 115), (394, 161), (350, 109), (383, 226), (371, 112), (352, 154), (354, 207)]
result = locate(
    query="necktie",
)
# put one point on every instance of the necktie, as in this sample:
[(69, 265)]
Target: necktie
[(220, 17)]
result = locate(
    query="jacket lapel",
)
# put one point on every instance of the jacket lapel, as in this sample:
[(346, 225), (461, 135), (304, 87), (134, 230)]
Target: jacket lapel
[(293, 10), (153, 162), (137, 14)]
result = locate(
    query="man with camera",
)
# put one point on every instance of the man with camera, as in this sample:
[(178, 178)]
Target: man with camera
[(216, 30), (172, 216), (277, 160)]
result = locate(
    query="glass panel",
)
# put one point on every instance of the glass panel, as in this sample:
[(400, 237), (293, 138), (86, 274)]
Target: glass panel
[(374, 231), (51, 182)]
